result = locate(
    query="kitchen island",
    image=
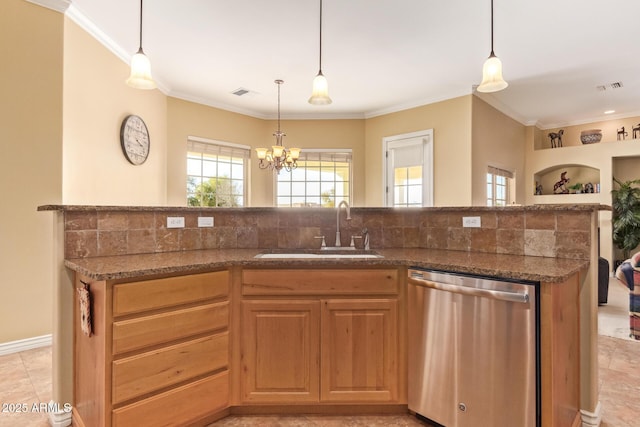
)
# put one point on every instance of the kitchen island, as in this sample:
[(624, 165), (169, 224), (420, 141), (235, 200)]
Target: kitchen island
[(469, 251)]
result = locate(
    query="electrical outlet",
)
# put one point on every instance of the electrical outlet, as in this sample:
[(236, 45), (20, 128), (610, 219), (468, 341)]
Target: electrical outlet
[(175, 222), (471, 221), (205, 221)]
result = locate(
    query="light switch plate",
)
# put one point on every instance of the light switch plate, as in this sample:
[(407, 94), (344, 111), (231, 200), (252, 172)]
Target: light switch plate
[(205, 221), (471, 221), (175, 222)]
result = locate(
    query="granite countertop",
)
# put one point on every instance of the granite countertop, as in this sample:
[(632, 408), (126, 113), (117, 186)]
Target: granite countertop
[(588, 207), (553, 270)]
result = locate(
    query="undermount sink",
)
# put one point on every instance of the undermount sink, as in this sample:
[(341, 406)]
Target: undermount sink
[(321, 254)]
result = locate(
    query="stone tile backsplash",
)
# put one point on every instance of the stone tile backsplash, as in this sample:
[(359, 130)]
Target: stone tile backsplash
[(520, 231)]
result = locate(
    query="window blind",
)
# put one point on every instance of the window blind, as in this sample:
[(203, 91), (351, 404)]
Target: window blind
[(500, 172), (325, 156), (213, 148)]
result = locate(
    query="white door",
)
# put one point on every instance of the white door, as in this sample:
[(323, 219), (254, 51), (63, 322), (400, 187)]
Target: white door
[(408, 169)]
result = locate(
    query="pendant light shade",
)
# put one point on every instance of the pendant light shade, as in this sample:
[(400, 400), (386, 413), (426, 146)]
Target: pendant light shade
[(140, 77), (320, 90), (492, 80)]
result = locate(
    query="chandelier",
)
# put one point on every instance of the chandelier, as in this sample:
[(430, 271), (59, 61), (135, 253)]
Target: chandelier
[(278, 156)]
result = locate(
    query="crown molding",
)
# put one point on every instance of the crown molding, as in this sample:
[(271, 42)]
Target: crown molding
[(83, 22), (57, 5), (414, 104)]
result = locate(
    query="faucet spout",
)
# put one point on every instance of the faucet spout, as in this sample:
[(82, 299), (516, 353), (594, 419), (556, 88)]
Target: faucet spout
[(346, 205)]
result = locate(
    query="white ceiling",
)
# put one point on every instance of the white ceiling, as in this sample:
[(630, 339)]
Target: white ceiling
[(381, 56)]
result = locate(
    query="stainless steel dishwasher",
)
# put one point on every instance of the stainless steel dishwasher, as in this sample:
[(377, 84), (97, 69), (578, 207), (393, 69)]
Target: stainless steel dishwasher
[(473, 352)]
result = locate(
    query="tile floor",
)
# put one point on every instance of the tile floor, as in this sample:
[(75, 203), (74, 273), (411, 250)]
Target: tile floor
[(25, 379)]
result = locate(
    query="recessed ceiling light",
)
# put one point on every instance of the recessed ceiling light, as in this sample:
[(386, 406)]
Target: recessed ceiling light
[(610, 111)]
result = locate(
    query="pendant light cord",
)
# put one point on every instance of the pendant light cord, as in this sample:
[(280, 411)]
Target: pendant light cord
[(320, 65), (492, 54), (140, 46)]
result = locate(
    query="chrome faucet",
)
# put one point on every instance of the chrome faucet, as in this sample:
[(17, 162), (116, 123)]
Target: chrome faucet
[(365, 235), (346, 205)]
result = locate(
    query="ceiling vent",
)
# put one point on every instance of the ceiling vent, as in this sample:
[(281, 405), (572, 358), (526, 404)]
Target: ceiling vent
[(245, 92), (240, 91), (614, 85)]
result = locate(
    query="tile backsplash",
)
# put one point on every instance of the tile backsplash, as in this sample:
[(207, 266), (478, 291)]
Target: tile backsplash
[(552, 231)]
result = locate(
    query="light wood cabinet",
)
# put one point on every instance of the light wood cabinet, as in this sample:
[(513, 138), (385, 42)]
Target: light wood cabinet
[(359, 343), (325, 342), (159, 352), (280, 351)]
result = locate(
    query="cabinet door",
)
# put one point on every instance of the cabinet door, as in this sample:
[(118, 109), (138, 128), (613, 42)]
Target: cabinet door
[(280, 351), (359, 350)]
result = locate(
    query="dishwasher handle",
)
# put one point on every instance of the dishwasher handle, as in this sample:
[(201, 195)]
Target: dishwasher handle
[(520, 297)]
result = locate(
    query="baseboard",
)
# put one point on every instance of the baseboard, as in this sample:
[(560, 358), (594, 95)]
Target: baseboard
[(61, 417), (592, 419), (25, 344)]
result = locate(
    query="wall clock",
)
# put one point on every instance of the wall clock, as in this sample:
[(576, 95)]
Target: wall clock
[(134, 139)]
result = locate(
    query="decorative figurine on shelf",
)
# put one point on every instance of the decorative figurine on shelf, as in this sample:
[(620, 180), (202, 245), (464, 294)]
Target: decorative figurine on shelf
[(588, 187), (538, 189), (556, 138), (636, 131), (561, 185), (622, 133)]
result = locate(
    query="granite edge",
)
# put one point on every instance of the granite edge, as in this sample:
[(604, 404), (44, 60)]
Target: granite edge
[(512, 208), (572, 267)]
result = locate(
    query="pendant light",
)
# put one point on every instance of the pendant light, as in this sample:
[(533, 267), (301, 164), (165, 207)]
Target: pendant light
[(278, 157), (320, 91), (492, 80), (140, 77)]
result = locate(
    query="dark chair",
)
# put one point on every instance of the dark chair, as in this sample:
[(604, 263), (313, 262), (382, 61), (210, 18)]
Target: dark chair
[(603, 280)]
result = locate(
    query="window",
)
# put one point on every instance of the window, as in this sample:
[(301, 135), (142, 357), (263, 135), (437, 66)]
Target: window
[(216, 173), (409, 169), (499, 185), (322, 178)]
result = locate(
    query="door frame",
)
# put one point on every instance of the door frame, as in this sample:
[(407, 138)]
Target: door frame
[(427, 162)]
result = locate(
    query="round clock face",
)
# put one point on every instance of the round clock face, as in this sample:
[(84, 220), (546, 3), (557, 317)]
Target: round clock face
[(134, 138)]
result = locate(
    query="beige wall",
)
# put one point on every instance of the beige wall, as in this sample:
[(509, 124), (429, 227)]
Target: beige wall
[(574, 156), (609, 130), (451, 124), (96, 100), (31, 43), (188, 119), (498, 141)]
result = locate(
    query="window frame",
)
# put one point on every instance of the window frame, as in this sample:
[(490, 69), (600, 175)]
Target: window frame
[(224, 148), (509, 178), (327, 151)]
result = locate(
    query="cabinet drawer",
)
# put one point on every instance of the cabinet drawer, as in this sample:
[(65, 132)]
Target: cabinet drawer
[(134, 334), (160, 293), (178, 406), (147, 372), (318, 281)]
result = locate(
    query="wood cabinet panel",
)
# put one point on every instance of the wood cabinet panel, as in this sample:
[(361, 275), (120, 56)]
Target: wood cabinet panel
[(280, 351), (560, 352), (151, 371), (178, 406), (146, 295), (359, 350), (140, 332), (320, 282)]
